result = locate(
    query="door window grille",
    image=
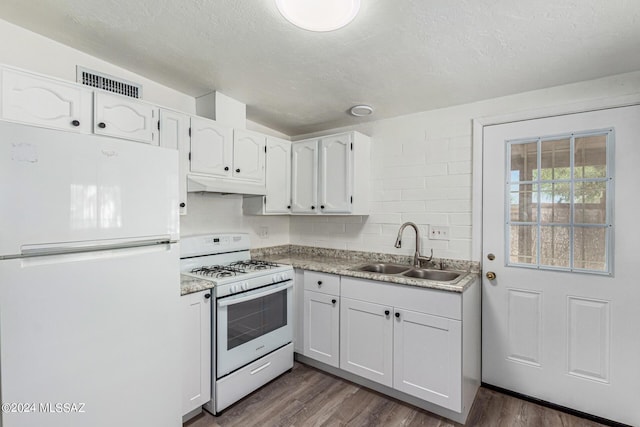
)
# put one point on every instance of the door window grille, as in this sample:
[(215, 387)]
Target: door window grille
[(559, 193)]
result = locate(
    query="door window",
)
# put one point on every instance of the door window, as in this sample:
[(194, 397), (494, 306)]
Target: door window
[(559, 209)]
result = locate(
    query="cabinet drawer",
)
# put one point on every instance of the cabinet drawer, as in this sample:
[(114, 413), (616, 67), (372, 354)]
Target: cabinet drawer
[(322, 282)]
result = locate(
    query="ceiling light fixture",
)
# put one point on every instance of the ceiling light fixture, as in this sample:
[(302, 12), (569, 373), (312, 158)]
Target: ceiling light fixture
[(361, 110), (319, 15)]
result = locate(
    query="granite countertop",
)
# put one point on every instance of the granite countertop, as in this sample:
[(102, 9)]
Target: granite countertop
[(343, 267), (190, 284), (342, 262)]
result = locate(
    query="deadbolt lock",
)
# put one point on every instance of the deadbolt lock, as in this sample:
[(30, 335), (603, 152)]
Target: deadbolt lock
[(491, 275), (491, 257)]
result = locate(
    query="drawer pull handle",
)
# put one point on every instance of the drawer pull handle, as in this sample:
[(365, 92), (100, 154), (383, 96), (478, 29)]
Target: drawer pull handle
[(319, 282), (386, 312), (255, 371)]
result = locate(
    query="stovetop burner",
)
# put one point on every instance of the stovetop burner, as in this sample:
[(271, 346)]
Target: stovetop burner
[(218, 271), (254, 265)]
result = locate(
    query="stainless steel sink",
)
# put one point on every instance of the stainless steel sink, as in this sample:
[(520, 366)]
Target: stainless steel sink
[(408, 271), (384, 268), (440, 276)]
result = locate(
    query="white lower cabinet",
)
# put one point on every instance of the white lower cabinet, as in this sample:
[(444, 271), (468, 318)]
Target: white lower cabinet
[(298, 310), (321, 327), (366, 340), (428, 357), (196, 350), (407, 339)]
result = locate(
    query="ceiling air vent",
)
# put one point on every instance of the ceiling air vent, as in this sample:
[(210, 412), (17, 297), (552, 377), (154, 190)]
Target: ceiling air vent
[(109, 83)]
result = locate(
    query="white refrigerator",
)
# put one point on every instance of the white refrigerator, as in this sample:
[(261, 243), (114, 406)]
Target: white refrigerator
[(89, 281)]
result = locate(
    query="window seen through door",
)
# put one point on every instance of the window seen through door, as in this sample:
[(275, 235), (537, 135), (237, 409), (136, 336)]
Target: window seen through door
[(559, 210)]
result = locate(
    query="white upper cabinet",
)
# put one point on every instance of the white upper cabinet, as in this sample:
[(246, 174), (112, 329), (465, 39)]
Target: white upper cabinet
[(304, 177), (123, 117), (211, 147), (174, 134), (39, 101), (278, 176), (330, 175), (277, 181), (335, 174), (248, 155)]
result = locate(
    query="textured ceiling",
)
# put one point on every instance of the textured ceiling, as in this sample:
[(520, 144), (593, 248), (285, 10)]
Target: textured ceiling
[(400, 56)]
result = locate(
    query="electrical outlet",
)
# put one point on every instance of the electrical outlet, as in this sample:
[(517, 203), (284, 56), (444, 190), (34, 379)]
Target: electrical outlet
[(439, 232), (263, 232)]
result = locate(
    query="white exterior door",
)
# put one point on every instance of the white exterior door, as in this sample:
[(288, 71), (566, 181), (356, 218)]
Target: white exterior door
[(304, 177), (248, 155), (39, 101), (335, 174), (174, 134), (560, 318), (196, 350), (211, 147), (427, 357), (366, 340), (321, 328), (278, 176), (126, 118)]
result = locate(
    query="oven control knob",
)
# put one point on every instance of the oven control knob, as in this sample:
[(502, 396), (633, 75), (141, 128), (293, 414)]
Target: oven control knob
[(233, 288), (245, 286)]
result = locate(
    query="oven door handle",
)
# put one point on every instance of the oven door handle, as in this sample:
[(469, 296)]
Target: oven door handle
[(263, 293)]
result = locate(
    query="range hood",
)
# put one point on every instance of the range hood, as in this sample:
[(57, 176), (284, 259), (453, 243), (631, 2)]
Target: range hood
[(210, 184)]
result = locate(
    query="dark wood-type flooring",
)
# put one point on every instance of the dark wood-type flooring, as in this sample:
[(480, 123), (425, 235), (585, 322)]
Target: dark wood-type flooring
[(309, 397)]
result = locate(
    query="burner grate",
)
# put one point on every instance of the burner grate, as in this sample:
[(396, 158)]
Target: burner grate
[(254, 265), (219, 271)]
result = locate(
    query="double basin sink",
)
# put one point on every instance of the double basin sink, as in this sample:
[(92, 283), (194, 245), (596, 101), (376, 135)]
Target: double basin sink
[(409, 271)]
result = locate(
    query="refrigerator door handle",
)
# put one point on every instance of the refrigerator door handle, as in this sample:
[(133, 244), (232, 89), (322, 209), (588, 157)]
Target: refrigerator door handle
[(74, 247)]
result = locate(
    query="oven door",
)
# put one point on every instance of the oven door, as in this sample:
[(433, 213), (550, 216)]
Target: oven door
[(252, 324)]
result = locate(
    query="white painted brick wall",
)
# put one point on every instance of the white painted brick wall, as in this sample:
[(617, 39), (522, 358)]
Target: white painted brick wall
[(422, 172)]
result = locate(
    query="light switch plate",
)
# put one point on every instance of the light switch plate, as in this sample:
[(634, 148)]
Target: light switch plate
[(439, 232)]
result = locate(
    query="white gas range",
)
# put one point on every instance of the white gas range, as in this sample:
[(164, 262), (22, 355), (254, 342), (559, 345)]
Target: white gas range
[(251, 318)]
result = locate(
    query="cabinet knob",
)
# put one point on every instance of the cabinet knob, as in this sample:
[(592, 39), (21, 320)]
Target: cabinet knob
[(102, 125), (76, 123), (313, 207), (386, 312), (289, 207), (237, 170), (319, 282), (183, 204), (321, 206), (333, 301), (207, 296), (397, 314), (226, 168)]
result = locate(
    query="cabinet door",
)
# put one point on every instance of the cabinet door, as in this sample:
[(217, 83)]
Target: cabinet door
[(211, 146), (366, 340), (321, 328), (38, 101), (126, 118), (335, 174), (298, 311), (278, 176), (248, 155), (428, 358), (196, 350), (174, 134), (304, 177)]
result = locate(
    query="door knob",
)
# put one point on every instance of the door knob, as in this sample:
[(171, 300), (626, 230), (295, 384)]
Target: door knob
[(491, 275)]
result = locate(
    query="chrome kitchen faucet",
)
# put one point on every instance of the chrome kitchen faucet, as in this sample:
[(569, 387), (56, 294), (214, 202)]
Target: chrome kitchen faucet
[(416, 257)]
